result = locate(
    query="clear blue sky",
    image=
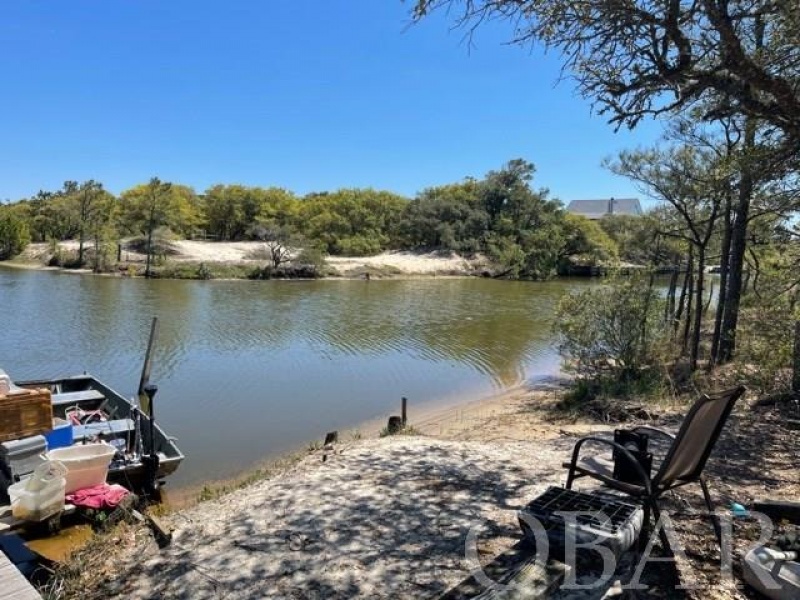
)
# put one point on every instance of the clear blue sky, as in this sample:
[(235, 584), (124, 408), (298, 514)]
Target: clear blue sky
[(305, 94)]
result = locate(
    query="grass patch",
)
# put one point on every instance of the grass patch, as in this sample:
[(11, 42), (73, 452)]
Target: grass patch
[(213, 491), (407, 430), (615, 400), (202, 270)]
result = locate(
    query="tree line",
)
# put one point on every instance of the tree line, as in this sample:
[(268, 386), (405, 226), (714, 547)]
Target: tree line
[(522, 230)]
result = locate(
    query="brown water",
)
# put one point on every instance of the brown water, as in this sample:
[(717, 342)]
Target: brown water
[(247, 370)]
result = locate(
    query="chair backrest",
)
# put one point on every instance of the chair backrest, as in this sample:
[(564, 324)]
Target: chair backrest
[(695, 440)]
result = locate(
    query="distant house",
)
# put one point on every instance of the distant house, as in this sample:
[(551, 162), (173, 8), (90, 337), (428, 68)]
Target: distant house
[(597, 209)]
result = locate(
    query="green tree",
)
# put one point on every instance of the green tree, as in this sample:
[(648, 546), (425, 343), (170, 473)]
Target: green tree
[(14, 231), (448, 217), (586, 240), (85, 199), (526, 233), (688, 180), (351, 221), (177, 208), (148, 207), (235, 212)]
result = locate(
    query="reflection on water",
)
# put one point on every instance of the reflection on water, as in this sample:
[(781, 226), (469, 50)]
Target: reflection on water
[(249, 369)]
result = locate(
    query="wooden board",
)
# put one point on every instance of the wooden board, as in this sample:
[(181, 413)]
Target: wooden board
[(67, 398), (13, 585), (9, 522)]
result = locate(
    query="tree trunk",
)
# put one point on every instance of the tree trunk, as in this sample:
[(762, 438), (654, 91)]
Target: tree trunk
[(698, 310), (730, 320), (724, 263), (81, 240), (689, 306), (796, 361), (646, 312), (710, 297), (669, 307), (147, 272), (684, 290), (97, 252)]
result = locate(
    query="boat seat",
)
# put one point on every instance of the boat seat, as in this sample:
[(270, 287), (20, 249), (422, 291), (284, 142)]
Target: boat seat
[(69, 398), (106, 429)]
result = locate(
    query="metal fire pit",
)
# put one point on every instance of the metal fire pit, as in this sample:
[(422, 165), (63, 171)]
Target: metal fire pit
[(602, 519)]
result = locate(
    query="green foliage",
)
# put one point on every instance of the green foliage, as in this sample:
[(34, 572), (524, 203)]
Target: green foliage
[(14, 232), (357, 222), (235, 212), (158, 204), (765, 335), (448, 217), (520, 229), (587, 241), (634, 237), (611, 330), (523, 231)]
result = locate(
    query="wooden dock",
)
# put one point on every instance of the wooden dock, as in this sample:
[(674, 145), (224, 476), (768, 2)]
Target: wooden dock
[(13, 585)]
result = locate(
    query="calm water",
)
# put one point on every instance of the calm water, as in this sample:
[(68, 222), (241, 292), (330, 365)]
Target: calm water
[(250, 369)]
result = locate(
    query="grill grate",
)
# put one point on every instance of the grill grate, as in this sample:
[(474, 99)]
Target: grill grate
[(602, 512)]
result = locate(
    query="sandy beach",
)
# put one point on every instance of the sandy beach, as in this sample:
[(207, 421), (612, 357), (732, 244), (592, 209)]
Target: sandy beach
[(397, 264)]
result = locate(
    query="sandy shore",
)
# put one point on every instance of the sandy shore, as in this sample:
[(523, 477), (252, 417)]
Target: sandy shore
[(391, 517), (240, 253)]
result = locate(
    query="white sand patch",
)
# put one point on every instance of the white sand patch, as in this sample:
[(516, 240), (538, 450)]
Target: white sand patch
[(410, 263), (383, 518), (225, 252)]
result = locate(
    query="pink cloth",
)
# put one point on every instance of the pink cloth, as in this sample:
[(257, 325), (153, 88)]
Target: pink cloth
[(100, 496)]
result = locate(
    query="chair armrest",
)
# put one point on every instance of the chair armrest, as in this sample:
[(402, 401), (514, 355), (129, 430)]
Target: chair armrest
[(625, 452), (666, 434)]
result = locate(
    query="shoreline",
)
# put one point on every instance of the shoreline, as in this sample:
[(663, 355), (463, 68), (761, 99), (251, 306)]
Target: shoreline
[(196, 260), (435, 418)]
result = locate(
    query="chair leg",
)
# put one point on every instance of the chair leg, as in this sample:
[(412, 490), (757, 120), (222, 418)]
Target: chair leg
[(711, 514), (662, 534)]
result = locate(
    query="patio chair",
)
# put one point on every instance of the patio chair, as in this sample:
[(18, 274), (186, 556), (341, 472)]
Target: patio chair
[(682, 464)]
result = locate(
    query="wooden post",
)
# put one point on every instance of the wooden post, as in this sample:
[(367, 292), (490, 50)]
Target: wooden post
[(403, 413), (796, 365), (395, 425)]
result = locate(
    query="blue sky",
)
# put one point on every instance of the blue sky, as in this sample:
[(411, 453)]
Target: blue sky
[(304, 94)]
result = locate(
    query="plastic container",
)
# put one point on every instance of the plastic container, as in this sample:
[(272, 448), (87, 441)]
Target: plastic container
[(60, 436), (22, 456), (41, 495), (87, 465), (767, 571)]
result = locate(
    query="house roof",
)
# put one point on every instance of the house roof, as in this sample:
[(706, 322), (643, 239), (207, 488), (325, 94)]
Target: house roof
[(596, 209)]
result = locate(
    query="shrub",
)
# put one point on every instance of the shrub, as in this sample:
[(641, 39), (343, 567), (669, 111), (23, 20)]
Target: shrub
[(611, 331)]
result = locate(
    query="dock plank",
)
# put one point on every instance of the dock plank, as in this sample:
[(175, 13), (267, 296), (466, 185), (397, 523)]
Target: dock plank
[(13, 585)]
